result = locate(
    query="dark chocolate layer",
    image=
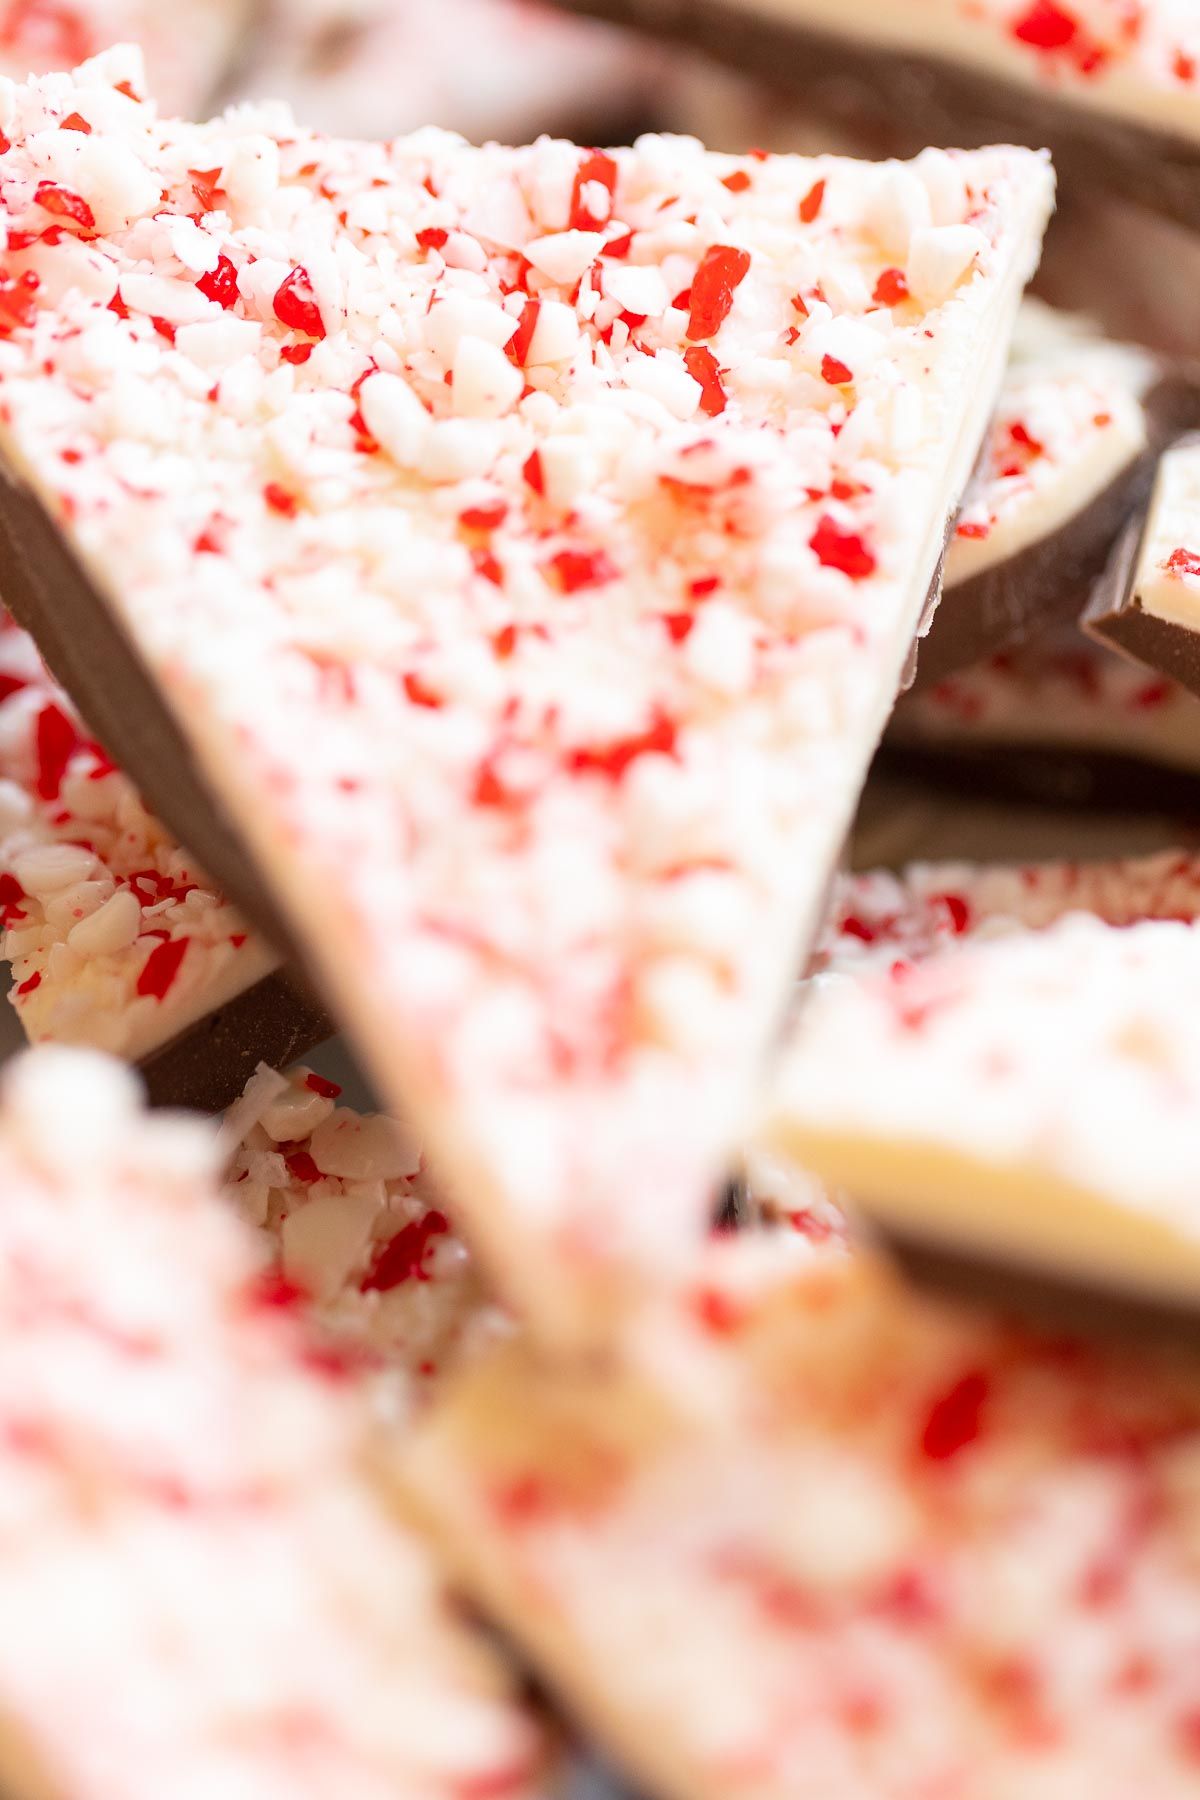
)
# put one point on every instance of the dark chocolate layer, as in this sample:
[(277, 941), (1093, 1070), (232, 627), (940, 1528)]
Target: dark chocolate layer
[(1048, 1298), (901, 102), (1048, 583), (49, 592), (206, 1067), (1115, 617), (1047, 775)]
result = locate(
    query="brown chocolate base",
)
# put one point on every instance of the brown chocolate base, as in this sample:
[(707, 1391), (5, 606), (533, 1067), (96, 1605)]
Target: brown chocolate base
[(1047, 776), (49, 592), (206, 1067), (1049, 1299), (1115, 618), (900, 102)]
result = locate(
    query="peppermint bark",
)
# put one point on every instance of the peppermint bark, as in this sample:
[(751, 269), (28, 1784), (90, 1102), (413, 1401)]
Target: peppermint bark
[(528, 545)]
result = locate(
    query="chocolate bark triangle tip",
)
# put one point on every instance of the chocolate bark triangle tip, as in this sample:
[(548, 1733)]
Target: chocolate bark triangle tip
[(526, 545)]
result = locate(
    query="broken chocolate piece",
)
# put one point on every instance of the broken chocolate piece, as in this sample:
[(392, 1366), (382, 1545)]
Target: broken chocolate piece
[(541, 556), (1058, 722), (183, 1466), (881, 1545), (1148, 604), (1118, 108), (118, 941), (1027, 1105), (1071, 455)]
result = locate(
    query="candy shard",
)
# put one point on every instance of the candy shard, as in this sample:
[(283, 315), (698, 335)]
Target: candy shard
[(523, 861), (813, 1501), (180, 1468), (98, 902)]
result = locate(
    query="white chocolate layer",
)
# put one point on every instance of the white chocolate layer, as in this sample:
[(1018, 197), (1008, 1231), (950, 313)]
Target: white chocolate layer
[(1059, 693), (830, 1541), (192, 1546), (553, 795), (1070, 420), (1033, 1098)]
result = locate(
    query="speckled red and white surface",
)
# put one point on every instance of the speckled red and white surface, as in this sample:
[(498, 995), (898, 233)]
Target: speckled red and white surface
[(1070, 419), (868, 1546), (191, 1546), (116, 938), (638, 468)]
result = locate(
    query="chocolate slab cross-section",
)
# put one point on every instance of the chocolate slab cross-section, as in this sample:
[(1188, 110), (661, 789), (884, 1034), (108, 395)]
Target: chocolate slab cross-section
[(529, 555), (1059, 722), (1148, 603), (901, 79), (1070, 456)]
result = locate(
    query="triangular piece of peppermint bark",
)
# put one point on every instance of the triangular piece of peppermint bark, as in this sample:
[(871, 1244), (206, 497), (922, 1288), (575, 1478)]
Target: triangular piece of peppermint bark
[(529, 544)]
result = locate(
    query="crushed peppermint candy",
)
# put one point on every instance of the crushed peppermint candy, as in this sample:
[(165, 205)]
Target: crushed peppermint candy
[(188, 1496), (354, 1225), (117, 939), (567, 849), (879, 1545)]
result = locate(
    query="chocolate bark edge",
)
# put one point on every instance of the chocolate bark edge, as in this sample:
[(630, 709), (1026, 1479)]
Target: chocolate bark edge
[(206, 1067), (1046, 776), (1114, 617), (1042, 1296), (49, 592), (926, 100), (1048, 582)]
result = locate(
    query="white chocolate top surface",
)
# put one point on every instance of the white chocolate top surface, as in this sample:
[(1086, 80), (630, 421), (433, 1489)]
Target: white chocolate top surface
[(1138, 61), (191, 1547), (1036, 1095), (553, 798), (1070, 420), (1166, 579), (866, 1545), (117, 939)]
